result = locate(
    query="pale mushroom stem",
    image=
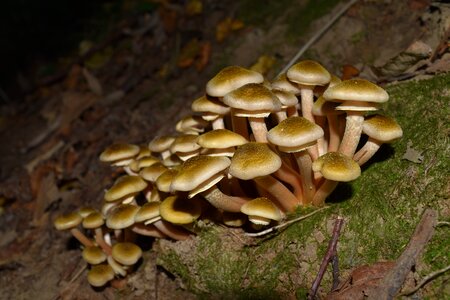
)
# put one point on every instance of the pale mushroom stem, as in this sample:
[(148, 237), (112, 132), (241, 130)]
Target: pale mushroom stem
[(304, 164), (171, 231), (287, 174), (321, 143), (118, 269), (81, 237), (367, 151), (128, 170), (352, 134), (323, 192), (148, 230), (218, 123), (282, 195), (259, 129), (222, 201), (281, 116), (334, 139), (307, 101), (101, 242)]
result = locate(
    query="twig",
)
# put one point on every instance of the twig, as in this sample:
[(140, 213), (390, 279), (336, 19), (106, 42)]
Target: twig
[(274, 228), (331, 252), (317, 35), (442, 223), (395, 278), (425, 280), (335, 272)]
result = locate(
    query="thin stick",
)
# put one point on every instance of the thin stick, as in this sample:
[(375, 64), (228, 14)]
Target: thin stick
[(335, 271), (425, 280), (331, 252), (274, 228), (317, 35)]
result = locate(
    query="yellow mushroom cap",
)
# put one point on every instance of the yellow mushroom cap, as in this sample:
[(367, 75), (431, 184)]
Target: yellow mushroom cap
[(337, 166), (185, 143), (191, 124), (152, 172), (121, 216), (220, 139), (117, 152), (356, 90), (148, 213), (126, 253), (321, 107), (100, 275), (179, 210), (93, 220), (209, 105), (295, 134), (308, 72), (93, 255), (261, 210), (67, 221), (282, 83), (382, 128), (86, 211), (231, 78), (200, 171), (125, 186), (252, 100), (165, 180), (160, 143), (253, 160), (286, 98)]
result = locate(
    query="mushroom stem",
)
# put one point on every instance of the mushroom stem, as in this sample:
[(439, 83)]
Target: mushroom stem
[(118, 269), (292, 111), (218, 123), (259, 129), (148, 230), (321, 143), (367, 151), (280, 115), (287, 174), (323, 192), (171, 231), (352, 134), (282, 195), (304, 164), (81, 237), (101, 241), (307, 101), (334, 139), (220, 200)]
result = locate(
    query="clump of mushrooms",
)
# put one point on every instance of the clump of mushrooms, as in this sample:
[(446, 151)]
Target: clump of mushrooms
[(252, 152)]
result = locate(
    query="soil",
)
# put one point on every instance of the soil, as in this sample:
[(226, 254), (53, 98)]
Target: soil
[(53, 136)]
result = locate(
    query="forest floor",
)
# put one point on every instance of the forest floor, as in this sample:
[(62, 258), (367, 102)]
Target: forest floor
[(136, 82)]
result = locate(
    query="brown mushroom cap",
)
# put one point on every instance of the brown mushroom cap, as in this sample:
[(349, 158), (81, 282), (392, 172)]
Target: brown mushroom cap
[(253, 160), (282, 83), (148, 213), (160, 143), (261, 210), (100, 275), (220, 139), (295, 134), (337, 167), (67, 221), (93, 220), (121, 216), (210, 107), (125, 186), (178, 210), (165, 180), (356, 90), (93, 255), (126, 253), (382, 128), (200, 173), (308, 72), (119, 152), (152, 172), (231, 78)]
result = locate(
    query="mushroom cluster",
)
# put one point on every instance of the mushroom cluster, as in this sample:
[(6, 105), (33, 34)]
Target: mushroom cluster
[(252, 151)]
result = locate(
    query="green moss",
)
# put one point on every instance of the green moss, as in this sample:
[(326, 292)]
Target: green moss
[(381, 210)]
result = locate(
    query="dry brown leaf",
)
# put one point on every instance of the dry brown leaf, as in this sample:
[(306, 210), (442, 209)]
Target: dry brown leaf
[(349, 71), (204, 55)]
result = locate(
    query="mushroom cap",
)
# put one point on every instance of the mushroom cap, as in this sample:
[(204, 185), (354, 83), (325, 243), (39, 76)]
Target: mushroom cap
[(121, 216), (252, 100), (233, 219), (356, 90), (220, 139), (93, 220), (165, 180), (93, 255), (308, 72), (191, 125), (143, 162), (185, 143), (125, 186), (148, 213), (253, 160), (231, 78), (177, 210), (160, 143), (86, 211), (126, 253), (200, 173), (337, 166), (152, 172), (117, 152), (261, 210), (382, 128), (286, 98), (295, 134), (209, 105), (321, 107), (67, 221), (282, 83), (143, 152), (100, 275)]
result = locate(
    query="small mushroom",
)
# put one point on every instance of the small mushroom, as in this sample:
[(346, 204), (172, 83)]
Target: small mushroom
[(100, 275), (71, 221), (261, 211)]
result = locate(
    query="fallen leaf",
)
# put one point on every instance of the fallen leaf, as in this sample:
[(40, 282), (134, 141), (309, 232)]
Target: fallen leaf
[(349, 72), (93, 82), (412, 154)]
